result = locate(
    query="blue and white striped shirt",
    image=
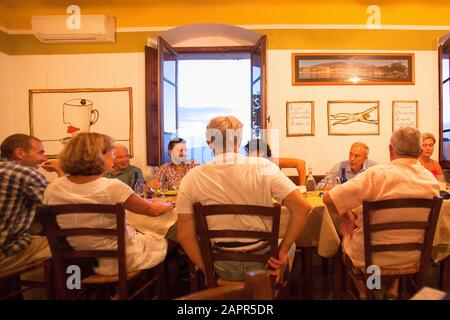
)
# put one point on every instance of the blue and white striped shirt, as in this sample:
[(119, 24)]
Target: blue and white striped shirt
[(21, 191)]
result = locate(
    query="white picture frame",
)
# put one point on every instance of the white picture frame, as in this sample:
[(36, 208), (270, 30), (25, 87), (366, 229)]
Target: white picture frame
[(405, 113), (299, 118)]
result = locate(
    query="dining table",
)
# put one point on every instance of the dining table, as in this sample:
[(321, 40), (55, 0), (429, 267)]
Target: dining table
[(320, 233)]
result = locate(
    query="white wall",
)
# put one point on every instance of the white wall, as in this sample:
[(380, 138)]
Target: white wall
[(321, 151), (80, 71), (7, 111), (127, 70)]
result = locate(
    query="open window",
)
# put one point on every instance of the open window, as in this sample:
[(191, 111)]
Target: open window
[(163, 118), (444, 103)]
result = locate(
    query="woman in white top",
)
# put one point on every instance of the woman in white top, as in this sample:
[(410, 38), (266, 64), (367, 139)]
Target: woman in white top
[(85, 159)]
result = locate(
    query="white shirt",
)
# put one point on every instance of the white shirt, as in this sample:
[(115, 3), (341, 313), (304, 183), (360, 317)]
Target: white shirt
[(143, 251), (401, 178), (231, 178)]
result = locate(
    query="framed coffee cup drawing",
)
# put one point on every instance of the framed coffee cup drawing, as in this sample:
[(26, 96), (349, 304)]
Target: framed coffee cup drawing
[(56, 115)]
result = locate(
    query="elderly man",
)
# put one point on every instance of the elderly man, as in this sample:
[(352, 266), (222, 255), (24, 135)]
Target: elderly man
[(21, 191), (403, 177), (234, 179), (122, 169), (357, 162)]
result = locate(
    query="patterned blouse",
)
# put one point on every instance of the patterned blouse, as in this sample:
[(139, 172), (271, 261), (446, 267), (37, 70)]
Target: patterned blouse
[(174, 173)]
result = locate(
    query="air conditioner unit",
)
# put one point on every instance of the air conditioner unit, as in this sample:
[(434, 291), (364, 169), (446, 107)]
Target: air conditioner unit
[(92, 29)]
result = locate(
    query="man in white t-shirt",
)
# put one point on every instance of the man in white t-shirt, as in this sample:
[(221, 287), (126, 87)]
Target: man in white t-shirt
[(403, 177), (231, 178)]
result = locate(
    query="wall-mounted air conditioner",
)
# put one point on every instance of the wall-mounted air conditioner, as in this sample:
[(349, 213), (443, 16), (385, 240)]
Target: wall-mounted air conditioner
[(92, 29)]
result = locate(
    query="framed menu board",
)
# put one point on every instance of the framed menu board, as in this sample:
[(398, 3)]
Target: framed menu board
[(299, 118), (405, 114)]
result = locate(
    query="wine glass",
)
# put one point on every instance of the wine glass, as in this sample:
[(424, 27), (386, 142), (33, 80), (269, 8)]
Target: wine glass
[(155, 188), (163, 188)]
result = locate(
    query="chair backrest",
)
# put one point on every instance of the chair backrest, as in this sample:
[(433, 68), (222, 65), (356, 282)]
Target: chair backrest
[(62, 253), (429, 226), (211, 254), (257, 286)]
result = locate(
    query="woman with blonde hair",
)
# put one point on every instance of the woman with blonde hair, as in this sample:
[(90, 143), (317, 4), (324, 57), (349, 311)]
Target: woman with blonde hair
[(85, 159), (433, 166)]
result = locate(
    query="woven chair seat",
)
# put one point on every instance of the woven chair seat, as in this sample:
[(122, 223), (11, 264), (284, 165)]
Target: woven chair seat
[(22, 269), (223, 282), (389, 271), (98, 278)]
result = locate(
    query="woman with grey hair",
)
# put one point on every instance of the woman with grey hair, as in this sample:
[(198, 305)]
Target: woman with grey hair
[(85, 159)]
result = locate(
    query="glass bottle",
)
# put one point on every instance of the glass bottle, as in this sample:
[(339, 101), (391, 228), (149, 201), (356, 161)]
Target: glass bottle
[(343, 178), (138, 184), (310, 182)]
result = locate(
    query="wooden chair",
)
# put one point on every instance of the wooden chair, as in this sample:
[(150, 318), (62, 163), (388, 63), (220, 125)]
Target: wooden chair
[(257, 286), (413, 277), (12, 286), (211, 253), (63, 255)]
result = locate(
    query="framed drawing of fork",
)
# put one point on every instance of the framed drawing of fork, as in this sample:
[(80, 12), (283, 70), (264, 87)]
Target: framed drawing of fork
[(346, 117)]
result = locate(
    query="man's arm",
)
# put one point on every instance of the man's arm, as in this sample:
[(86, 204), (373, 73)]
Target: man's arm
[(299, 210), (295, 163), (335, 169), (346, 220), (187, 237)]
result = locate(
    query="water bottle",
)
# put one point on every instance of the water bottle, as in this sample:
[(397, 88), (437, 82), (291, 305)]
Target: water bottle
[(343, 179), (138, 184), (310, 182)]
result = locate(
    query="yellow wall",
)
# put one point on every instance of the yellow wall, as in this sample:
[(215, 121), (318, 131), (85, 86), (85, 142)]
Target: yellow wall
[(140, 13), (258, 13)]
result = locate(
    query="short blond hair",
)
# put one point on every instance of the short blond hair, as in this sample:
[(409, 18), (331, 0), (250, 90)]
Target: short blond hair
[(83, 155), (427, 135), (224, 132)]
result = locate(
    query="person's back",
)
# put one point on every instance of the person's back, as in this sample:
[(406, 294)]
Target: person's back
[(403, 177), (85, 159), (234, 179)]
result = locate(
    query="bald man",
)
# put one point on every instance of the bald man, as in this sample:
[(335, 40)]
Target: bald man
[(122, 169), (357, 162)]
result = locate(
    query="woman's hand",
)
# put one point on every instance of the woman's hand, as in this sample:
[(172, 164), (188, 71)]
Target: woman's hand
[(52, 166)]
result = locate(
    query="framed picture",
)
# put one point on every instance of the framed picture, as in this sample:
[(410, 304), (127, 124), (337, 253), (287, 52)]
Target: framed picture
[(405, 113), (353, 118), (299, 118), (348, 68), (56, 115)]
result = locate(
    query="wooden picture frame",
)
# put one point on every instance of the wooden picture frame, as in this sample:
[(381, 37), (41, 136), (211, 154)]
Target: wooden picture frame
[(299, 118), (405, 113), (352, 68), (56, 115), (347, 117)]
